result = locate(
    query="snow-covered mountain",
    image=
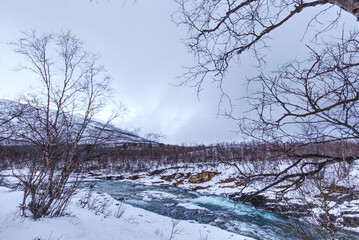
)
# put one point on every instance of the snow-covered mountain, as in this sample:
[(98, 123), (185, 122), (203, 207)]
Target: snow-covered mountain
[(31, 122)]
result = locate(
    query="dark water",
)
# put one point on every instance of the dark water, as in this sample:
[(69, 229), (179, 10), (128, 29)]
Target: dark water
[(214, 210)]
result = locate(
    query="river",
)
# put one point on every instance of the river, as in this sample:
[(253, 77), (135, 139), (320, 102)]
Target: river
[(214, 210)]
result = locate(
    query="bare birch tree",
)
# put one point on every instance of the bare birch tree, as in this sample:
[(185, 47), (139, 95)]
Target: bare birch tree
[(308, 111), (57, 118), (302, 106), (220, 31)]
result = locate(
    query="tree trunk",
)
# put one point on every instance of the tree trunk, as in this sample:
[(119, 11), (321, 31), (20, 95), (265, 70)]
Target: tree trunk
[(351, 6)]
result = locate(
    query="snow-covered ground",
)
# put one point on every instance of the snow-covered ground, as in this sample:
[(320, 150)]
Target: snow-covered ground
[(343, 206), (102, 218), (95, 222)]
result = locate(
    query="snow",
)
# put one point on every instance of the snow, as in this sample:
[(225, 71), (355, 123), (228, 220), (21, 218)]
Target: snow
[(99, 220), (191, 206), (140, 224), (308, 193), (150, 195)]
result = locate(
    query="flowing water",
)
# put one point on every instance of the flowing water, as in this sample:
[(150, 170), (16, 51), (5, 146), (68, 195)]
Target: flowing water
[(214, 210)]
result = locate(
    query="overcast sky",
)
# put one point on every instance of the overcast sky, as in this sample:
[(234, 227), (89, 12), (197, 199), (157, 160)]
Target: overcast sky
[(142, 50)]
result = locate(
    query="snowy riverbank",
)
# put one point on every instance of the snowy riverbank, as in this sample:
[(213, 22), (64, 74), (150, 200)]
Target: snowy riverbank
[(224, 180), (207, 179), (100, 220)]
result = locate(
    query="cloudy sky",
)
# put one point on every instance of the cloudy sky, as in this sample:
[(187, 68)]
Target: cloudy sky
[(143, 51)]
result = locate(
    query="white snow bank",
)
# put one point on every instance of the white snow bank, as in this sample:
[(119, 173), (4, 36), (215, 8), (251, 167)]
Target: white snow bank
[(98, 221)]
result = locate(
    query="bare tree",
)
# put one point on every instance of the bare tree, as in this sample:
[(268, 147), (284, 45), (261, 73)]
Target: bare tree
[(308, 112), (303, 103), (305, 113), (56, 118), (220, 31)]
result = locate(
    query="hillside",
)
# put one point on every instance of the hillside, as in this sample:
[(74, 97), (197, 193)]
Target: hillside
[(9, 109)]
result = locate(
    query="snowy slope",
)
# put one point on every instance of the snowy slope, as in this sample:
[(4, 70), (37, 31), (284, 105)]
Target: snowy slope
[(97, 221), (110, 132)]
